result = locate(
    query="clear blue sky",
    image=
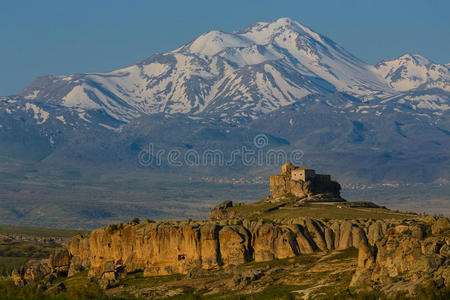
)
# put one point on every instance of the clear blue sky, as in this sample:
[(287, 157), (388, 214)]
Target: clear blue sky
[(40, 37)]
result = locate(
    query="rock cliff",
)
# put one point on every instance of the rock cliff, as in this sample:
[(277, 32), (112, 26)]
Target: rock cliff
[(161, 248), (407, 255), (394, 255)]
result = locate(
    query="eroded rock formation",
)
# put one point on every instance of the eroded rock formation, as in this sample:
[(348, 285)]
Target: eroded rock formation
[(44, 271), (178, 247), (404, 257), (395, 254)]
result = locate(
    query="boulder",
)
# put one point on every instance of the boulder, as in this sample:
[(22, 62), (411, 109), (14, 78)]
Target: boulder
[(18, 276), (244, 279), (61, 287), (59, 260), (234, 244), (366, 263), (274, 242), (375, 232), (221, 212), (441, 225)]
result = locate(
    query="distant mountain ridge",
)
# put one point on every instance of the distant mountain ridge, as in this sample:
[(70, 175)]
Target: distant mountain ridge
[(243, 75), (223, 85)]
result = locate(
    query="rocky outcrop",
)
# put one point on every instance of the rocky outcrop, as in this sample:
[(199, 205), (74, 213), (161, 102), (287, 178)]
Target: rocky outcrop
[(366, 263), (274, 242), (303, 182), (59, 261), (43, 271), (387, 249), (178, 247), (405, 257), (221, 211)]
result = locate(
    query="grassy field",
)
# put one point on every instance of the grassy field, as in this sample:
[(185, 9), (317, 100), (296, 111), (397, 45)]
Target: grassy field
[(38, 232), (102, 199), (262, 209), (15, 253)]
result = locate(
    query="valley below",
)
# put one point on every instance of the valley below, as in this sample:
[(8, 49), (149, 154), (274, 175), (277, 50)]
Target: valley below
[(303, 241), (263, 250), (103, 197)]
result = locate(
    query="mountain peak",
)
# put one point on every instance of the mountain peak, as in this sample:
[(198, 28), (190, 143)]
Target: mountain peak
[(407, 59), (242, 74), (215, 41), (417, 59), (411, 71), (280, 25), (286, 21), (261, 33)]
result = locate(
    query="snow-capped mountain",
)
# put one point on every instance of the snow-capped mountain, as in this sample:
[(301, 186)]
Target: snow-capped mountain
[(243, 75), (81, 138), (410, 72)]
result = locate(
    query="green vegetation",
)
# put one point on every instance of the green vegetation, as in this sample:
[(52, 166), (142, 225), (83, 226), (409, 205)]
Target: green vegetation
[(9, 291), (281, 292), (38, 232), (89, 290), (276, 292), (34, 243), (251, 208), (115, 227), (15, 253), (287, 210), (349, 253), (426, 292), (19, 244), (8, 264), (304, 259), (100, 197), (138, 280)]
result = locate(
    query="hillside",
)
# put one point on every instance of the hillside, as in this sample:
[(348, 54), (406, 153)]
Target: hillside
[(303, 241), (84, 138), (318, 251), (20, 244)]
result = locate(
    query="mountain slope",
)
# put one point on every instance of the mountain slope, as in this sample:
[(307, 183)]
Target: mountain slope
[(70, 146), (414, 72), (223, 88), (239, 75)]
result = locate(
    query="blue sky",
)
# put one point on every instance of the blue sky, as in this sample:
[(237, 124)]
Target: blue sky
[(64, 37)]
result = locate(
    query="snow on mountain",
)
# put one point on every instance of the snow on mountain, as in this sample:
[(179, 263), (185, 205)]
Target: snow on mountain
[(316, 55), (243, 74), (213, 42), (412, 71)]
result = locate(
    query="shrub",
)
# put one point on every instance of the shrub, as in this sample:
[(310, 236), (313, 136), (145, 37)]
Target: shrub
[(90, 291), (113, 228), (9, 291)]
